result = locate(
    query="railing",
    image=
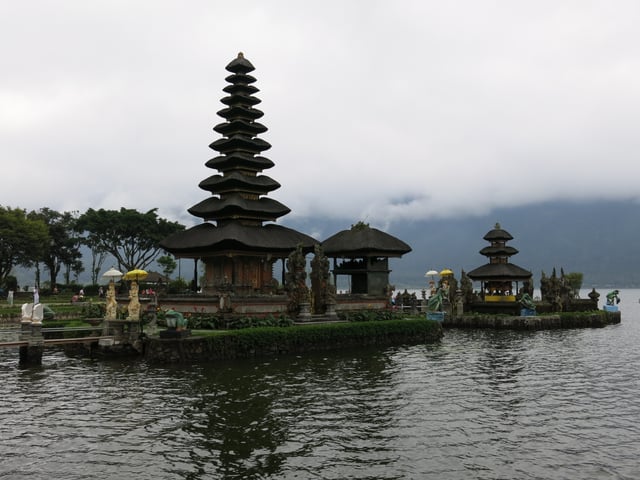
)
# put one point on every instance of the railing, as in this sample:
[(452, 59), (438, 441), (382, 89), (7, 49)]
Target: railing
[(20, 342)]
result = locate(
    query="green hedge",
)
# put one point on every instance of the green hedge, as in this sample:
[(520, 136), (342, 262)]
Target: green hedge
[(210, 322), (274, 340)]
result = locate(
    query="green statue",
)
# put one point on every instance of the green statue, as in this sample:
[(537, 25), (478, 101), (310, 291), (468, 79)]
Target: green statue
[(527, 302), (613, 297), (434, 304)]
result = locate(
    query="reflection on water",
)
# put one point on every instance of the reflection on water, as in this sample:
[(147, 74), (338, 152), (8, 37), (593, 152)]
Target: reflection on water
[(481, 405)]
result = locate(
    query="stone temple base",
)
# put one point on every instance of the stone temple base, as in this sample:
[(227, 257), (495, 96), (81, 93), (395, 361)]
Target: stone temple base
[(173, 333)]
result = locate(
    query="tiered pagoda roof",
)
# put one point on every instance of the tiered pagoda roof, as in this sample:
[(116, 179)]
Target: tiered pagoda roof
[(238, 203), (498, 253)]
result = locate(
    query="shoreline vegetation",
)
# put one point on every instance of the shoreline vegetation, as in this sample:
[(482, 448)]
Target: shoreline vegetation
[(295, 340), (248, 339)]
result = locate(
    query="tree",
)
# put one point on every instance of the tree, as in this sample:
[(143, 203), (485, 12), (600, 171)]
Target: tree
[(168, 264), (130, 236), (98, 253), (63, 247), (76, 267), (22, 240), (574, 280)]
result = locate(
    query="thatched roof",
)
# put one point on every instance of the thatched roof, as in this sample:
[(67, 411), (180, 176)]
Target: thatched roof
[(497, 234), (207, 239), (499, 271), (155, 277), (498, 251), (362, 240)]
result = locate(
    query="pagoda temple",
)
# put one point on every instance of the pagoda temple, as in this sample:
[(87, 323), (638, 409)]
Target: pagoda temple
[(236, 242), (498, 276)]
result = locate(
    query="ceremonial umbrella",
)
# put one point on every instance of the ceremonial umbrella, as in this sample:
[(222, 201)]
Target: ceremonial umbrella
[(446, 271), (136, 274), (431, 273), (112, 274)]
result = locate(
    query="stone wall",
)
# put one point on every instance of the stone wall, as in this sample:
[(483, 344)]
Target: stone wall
[(542, 322), (262, 342)]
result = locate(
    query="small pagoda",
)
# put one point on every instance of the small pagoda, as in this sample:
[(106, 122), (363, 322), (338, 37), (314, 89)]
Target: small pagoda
[(499, 276), (236, 242)]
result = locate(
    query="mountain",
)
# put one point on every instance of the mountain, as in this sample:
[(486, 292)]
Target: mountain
[(599, 239)]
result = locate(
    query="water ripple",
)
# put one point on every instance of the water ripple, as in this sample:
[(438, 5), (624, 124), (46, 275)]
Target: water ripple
[(479, 405)]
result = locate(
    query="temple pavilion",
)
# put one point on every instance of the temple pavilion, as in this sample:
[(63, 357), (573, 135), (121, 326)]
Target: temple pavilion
[(362, 255), (238, 241), (500, 279)]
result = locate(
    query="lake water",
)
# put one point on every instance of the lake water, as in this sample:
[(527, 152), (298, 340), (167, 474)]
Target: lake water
[(561, 404)]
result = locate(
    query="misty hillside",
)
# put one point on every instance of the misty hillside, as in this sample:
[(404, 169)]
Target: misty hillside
[(599, 239)]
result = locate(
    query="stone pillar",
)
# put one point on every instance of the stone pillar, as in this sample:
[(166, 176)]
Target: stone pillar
[(459, 310), (305, 312), (331, 311), (31, 354)]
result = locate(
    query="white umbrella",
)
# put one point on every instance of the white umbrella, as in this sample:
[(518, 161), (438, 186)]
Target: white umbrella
[(431, 273), (112, 274)]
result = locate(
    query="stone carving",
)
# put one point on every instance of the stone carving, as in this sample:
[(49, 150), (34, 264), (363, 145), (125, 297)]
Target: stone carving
[(466, 287), (111, 304), (526, 302), (613, 298), (434, 304), (296, 281), (322, 289), (406, 299), (557, 291), (134, 303), (27, 312)]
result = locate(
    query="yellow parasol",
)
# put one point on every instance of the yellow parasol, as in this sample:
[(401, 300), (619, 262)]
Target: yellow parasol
[(446, 271), (136, 274)]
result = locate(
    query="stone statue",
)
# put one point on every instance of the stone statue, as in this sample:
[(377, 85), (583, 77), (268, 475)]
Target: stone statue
[(134, 303), (112, 305), (466, 286), (321, 287), (434, 304), (527, 302), (544, 288), (296, 280), (175, 320), (27, 312), (613, 298)]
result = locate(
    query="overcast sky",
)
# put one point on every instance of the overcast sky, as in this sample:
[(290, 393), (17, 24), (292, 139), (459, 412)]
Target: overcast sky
[(376, 110)]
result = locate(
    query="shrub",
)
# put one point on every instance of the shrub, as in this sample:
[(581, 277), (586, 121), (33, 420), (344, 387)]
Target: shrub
[(371, 315), (268, 340), (93, 310)]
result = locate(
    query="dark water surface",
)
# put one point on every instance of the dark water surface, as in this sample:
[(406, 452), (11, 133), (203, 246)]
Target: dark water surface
[(479, 405)]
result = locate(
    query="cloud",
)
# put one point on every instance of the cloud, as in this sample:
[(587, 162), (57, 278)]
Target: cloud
[(385, 111)]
